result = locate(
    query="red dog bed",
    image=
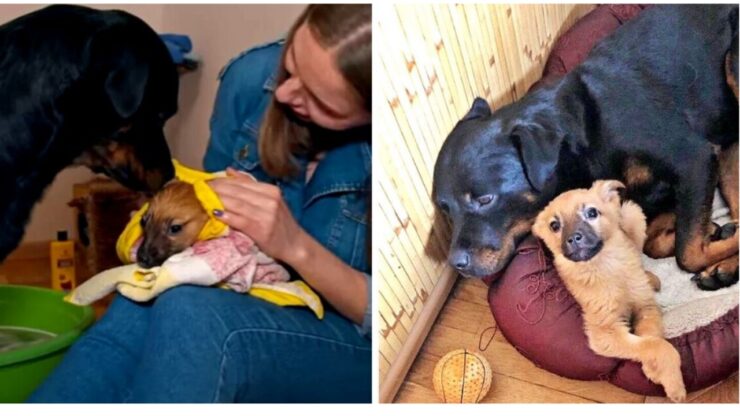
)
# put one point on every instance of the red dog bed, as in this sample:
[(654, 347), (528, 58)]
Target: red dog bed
[(535, 312)]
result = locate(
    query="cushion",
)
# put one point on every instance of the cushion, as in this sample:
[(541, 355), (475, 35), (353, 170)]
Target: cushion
[(537, 314)]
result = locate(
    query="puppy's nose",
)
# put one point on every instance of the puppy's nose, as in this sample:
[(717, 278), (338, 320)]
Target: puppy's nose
[(575, 239), (460, 260)]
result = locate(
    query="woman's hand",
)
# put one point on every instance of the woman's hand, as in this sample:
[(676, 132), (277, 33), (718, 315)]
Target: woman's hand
[(259, 211)]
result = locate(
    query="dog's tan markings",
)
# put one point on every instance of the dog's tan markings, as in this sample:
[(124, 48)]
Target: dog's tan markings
[(726, 267), (731, 79), (636, 173), (661, 236), (490, 258), (699, 252), (529, 197), (728, 178)]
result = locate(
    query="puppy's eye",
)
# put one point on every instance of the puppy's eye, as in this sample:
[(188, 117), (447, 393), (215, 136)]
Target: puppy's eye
[(444, 207), (175, 229), (592, 213), (143, 220), (555, 226), (485, 199)]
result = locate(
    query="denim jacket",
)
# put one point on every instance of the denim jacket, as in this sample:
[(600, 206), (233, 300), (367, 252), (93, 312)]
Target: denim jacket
[(333, 206)]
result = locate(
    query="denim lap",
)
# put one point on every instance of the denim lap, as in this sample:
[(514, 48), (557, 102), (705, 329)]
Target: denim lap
[(212, 345)]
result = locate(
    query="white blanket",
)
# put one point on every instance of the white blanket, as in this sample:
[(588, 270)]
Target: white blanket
[(686, 307)]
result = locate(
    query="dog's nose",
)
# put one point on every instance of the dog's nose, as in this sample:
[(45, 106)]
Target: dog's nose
[(460, 260), (575, 239)]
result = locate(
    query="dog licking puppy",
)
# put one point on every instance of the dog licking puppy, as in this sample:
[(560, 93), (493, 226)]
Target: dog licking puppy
[(597, 242)]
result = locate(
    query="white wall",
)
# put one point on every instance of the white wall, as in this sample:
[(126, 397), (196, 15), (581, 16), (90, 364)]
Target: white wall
[(218, 32)]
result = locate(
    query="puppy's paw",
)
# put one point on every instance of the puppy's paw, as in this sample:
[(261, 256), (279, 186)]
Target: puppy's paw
[(662, 365), (653, 280), (677, 392)]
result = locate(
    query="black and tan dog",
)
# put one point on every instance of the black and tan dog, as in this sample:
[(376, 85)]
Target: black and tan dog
[(654, 105), (80, 86)]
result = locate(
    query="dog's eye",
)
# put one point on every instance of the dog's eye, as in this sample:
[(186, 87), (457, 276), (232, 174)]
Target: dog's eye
[(175, 229), (485, 199), (143, 220), (444, 207), (555, 226), (592, 213)]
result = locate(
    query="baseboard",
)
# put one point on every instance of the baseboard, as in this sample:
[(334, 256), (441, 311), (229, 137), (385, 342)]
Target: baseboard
[(421, 328)]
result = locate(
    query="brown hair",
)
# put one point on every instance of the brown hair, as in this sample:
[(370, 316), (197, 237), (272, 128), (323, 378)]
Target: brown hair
[(347, 29)]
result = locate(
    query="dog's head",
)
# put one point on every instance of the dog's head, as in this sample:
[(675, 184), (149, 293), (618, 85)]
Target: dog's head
[(128, 89), (578, 223), (491, 177), (171, 224)]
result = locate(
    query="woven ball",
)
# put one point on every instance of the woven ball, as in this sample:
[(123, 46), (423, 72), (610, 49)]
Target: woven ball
[(462, 376)]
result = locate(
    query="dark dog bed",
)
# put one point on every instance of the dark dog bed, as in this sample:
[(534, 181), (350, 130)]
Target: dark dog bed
[(535, 312)]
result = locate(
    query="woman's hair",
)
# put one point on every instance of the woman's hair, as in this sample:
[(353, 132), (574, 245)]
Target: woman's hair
[(346, 28)]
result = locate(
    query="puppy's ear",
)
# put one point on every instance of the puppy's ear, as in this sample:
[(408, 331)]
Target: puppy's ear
[(122, 70), (538, 152), (609, 190), (480, 108)]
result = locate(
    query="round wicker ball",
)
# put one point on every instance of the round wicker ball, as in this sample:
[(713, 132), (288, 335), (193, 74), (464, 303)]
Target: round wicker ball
[(462, 376)]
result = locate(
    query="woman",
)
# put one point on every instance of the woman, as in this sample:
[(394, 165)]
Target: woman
[(309, 210)]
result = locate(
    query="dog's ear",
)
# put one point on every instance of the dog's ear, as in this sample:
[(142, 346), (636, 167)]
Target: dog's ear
[(480, 108), (609, 190), (538, 152), (126, 84), (122, 70)]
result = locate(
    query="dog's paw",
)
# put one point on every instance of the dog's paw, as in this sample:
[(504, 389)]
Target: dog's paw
[(724, 232), (718, 275)]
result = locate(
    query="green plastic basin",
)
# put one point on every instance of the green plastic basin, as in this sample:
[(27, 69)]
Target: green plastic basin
[(23, 369)]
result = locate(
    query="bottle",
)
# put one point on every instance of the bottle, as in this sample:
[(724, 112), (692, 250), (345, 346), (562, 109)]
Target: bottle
[(62, 255)]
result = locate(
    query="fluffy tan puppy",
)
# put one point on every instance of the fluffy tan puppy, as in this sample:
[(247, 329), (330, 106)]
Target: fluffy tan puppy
[(597, 242)]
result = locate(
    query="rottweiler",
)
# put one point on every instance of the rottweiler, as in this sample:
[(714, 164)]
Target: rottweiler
[(654, 105), (80, 87)]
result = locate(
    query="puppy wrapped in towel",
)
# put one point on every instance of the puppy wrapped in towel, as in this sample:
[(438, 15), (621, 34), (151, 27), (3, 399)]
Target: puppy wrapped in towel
[(177, 229)]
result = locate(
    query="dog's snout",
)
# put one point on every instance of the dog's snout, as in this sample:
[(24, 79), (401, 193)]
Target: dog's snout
[(575, 239), (460, 260), (582, 244), (148, 258)]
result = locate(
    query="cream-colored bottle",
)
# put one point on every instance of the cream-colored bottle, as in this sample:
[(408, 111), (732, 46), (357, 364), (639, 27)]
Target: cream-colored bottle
[(62, 255)]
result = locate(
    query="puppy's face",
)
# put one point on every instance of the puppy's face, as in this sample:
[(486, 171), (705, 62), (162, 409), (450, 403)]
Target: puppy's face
[(578, 223), (171, 224)]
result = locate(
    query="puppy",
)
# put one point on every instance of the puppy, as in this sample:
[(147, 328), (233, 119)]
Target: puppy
[(596, 243), (171, 224)]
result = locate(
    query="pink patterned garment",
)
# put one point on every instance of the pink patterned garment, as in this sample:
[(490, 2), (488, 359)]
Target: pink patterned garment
[(236, 261)]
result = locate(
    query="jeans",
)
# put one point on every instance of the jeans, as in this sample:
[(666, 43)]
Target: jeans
[(199, 344)]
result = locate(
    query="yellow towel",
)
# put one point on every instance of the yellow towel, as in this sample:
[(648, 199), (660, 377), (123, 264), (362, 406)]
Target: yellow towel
[(144, 284)]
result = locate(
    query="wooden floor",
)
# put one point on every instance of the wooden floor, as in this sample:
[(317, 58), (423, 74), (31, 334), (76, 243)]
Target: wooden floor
[(461, 324)]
